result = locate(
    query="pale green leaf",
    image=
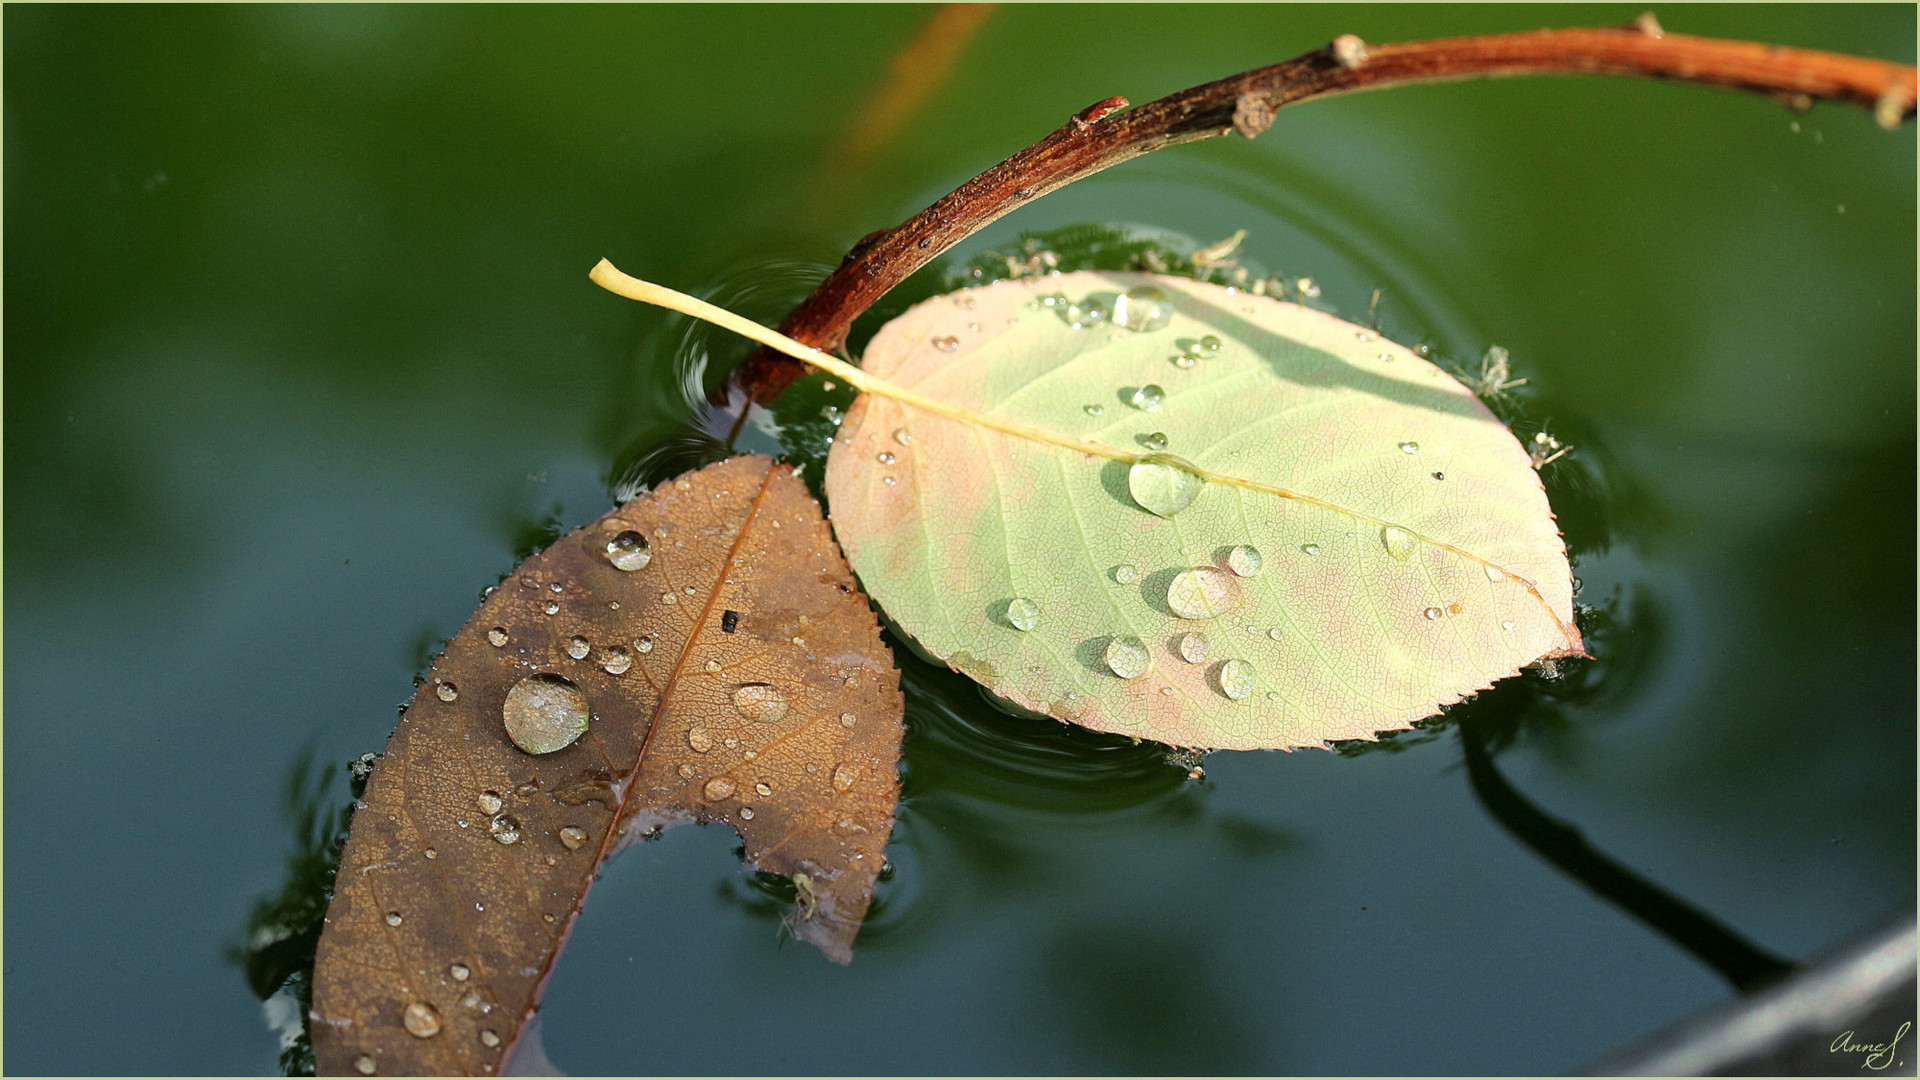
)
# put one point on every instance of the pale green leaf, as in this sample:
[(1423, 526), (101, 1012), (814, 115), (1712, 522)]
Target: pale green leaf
[(1369, 542)]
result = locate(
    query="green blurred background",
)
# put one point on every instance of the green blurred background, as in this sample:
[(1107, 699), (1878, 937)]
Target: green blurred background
[(300, 351)]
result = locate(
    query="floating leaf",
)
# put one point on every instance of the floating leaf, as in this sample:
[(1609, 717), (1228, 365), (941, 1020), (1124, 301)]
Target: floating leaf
[(1406, 553), (736, 674)]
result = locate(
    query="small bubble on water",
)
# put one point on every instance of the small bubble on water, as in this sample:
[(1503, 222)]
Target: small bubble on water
[(497, 637), (629, 551), (1127, 657), (719, 788), (1244, 560), (1148, 398), (422, 1020), (1236, 679), (578, 647), (1023, 613), (1193, 647), (446, 691), (946, 343), (760, 702)]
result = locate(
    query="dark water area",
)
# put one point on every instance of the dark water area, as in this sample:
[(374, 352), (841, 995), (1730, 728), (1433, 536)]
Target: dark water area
[(301, 355)]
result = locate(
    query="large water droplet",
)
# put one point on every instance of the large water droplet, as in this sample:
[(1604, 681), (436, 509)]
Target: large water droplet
[(1163, 484), (505, 828), (1023, 613), (1398, 542), (616, 660), (446, 691), (1193, 647), (760, 702), (845, 775), (1202, 593), (629, 551), (1236, 679), (1142, 308), (578, 647), (572, 837), (1244, 560), (1127, 657), (1148, 398), (422, 1020), (544, 713), (1125, 574), (719, 788), (497, 637)]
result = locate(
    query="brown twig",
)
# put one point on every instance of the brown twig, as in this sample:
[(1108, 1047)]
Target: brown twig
[(1096, 138)]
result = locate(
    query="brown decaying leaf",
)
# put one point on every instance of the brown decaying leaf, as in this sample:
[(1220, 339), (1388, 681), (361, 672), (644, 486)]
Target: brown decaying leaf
[(737, 677)]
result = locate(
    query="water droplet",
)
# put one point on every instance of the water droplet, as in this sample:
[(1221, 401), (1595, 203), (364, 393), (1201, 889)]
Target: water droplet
[(1095, 410), (889, 481), (845, 775), (488, 1038), (1148, 398), (846, 719), (629, 551), (1363, 335), (1506, 624), (1207, 346), (1154, 440), (422, 1020), (552, 608), (763, 789), (489, 802), (1398, 542), (1433, 613), (760, 702), (1023, 613), (1193, 647), (572, 837), (1127, 657), (902, 436), (746, 813), (1311, 549), (394, 918), (1495, 574), (1273, 695), (1202, 593), (1125, 574), (1143, 308), (1275, 633), (713, 665), (885, 458), (643, 644), (1236, 679), (446, 691), (1163, 484), (699, 739), (616, 660), (578, 648), (497, 637), (363, 1065), (460, 972), (505, 828), (1244, 560), (545, 713), (719, 788), (1409, 447), (1185, 362), (946, 344), (431, 854)]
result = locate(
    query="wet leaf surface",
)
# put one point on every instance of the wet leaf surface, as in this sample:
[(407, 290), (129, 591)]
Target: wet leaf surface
[(732, 672), (1357, 540)]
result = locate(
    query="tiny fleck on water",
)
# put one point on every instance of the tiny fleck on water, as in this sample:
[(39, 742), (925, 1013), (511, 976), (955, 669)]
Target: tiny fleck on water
[(297, 313)]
